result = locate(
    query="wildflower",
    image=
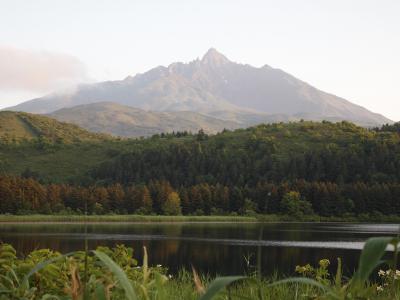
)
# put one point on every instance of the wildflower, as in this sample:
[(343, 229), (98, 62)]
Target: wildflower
[(388, 272), (170, 276), (379, 288), (381, 273), (159, 266), (300, 269), (324, 263)]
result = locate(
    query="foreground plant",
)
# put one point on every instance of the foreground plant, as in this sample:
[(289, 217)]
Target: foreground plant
[(115, 274)]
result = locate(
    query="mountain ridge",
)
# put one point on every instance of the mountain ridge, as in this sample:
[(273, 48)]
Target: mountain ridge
[(124, 121), (211, 84)]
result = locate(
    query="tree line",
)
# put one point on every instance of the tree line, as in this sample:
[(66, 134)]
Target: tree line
[(25, 195)]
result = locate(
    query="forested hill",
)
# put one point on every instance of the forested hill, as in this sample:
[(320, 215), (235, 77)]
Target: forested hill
[(293, 168), (17, 126), (336, 152), (339, 152)]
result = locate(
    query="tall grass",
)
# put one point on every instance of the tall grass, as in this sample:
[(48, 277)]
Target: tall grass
[(158, 218)]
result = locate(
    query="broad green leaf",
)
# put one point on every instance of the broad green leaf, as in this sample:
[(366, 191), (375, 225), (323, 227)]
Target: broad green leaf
[(119, 273), (302, 280), (217, 285), (371, 256)]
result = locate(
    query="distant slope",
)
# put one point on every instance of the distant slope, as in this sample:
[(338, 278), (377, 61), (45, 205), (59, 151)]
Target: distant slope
[(19, 126), (126, 121), (264, 152), (213, 84)]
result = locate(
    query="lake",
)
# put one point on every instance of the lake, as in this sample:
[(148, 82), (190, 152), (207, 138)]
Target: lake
[(215, 248)]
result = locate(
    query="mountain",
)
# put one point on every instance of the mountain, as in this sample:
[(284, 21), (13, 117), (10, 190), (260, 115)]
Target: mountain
[(16, 126), (210, 85), (120, 120)]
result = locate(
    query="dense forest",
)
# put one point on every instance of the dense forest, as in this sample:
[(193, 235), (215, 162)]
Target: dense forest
[(340, 153), (295, 168), (25, 195)]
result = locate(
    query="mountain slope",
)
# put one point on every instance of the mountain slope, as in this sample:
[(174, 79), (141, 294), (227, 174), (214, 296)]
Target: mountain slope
[(24, 126), (127, 121), (213, 84)]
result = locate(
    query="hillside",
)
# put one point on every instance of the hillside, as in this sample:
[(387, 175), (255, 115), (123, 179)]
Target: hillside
[(304, 150), (215, 86), (328, 168), (119, 120), (15, 126), (323, 151)]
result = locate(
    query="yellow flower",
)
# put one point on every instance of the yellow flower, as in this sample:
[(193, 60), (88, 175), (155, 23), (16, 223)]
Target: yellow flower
[(300, 269), (324, 263)]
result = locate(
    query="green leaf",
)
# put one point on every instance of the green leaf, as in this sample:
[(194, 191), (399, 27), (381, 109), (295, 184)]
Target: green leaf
[(100, 292), (119, 273), (371, 256), (338, 277), (301, 280), (42, 265), (217, 285)]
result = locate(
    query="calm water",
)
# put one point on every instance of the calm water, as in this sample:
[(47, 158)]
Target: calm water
[(214, 248)]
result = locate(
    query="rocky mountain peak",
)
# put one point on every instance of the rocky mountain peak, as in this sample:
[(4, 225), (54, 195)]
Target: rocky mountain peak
[(214, 58)]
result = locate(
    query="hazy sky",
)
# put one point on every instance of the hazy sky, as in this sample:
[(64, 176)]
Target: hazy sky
[(350, 48)]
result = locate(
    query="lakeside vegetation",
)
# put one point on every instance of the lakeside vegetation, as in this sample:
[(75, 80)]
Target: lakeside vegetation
[(298, 200), (122, 218), (74, 218), (115, 274)]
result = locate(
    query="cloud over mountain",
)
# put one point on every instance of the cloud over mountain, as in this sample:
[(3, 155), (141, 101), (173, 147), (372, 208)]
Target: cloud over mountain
[(213, 86), (38, 71)]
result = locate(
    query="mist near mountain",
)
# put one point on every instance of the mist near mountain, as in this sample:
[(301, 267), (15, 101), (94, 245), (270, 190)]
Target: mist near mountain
[(217, 87)]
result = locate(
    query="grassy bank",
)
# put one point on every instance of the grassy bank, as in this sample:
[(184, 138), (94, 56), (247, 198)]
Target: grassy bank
[(122, 218), (365, 218)]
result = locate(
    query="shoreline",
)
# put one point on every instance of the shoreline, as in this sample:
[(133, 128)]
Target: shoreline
[(149, 219), (127, 219)]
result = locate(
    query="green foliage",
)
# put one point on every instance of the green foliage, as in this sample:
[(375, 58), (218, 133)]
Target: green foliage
[(19, 127), (320, 274), (217, 285), (294, 206), (371, 256), (44, 274), (114, 274), (340, 168), (119, 274), (172, 207)]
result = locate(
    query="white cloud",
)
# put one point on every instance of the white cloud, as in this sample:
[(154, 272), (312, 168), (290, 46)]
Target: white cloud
[(38, 71)]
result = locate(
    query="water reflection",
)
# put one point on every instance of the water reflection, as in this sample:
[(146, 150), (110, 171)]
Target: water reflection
[(213, 248)]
